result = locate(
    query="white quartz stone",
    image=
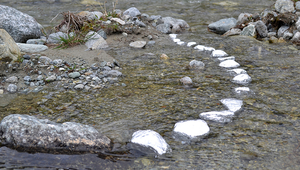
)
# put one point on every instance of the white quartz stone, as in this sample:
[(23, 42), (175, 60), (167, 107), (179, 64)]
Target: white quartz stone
[(173, 36), (229, 64), (180, 43), (242, 79), (226, 58), (189, 44), (192, 128), (232, 104), (237, 71), (219, 53), (217, 116), (186, 80), (199, 47), (150, 138), (240, 90), (209, 49), (176, 40)]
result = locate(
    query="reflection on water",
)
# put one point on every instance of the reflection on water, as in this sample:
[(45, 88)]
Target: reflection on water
[(263, 135)]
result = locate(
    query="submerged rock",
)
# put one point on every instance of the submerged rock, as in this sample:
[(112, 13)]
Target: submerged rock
[(217, 116), (189, 129), (28, 131), (152, 139)]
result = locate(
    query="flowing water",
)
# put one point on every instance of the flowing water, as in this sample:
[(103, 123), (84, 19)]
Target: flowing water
[(264, 135)]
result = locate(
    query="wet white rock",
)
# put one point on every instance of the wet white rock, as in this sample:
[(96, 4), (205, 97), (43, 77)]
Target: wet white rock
[(199, 47), (173, 36), (191, 128), (237, 71), (176, 40), (150, 138), (186, 80), (242, 79), (229, 64), (232, 104), (209, 49), (217, 116), (241, 90), (189, 44), (180, 43), (219, 53), (226, 58)]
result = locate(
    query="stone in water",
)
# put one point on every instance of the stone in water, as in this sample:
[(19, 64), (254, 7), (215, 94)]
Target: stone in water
[(186, 80), (242, 79), (200, 47), (180, 43), (191, 128), (219, 53), (229, 64), (232, 104), (240, 90), (191, 44), (176, 40), (150, 138), (226, 58), (217, 116), (173, 36), (237, 71)]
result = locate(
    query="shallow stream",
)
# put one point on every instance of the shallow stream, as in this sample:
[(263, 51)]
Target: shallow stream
[(264, 135)]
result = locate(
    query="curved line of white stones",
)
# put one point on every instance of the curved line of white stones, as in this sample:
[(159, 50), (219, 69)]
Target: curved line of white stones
[(196, 128)]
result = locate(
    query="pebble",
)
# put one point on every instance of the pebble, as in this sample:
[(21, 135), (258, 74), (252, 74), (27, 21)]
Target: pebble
[(176, 40), (186, 80), (232, 104), (242, 79), (12, 88), (189, 44), (51, 78), (138, 44), (241, 90), (229, 64), (195, 64), (226, 58), (237, 71), (74, 75), (199, 47), (219, 53), (150, 138), (173, 36), (191, 128), (12, 79), (164, 57), (27, 78), (79, 86), (1, 91), (180, 43), (217, 116)]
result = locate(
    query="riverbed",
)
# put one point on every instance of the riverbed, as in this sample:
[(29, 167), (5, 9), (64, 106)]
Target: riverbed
[(263, 135)]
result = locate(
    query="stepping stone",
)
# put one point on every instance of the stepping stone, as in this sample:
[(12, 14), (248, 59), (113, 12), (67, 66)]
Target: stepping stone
[(150, 138), (232, 104), (176, 40), (189, 44), (191, 129), (219, 53), (209, 49), (180, 43), (242, 90), (226, 58), (217, 116), (242, 79), (199, 47), (229, 64), (173, 36), (237, 71)]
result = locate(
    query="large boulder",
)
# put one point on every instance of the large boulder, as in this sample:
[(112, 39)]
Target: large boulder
[(29, 132), (8, 48), (20, 26), (222, 25)]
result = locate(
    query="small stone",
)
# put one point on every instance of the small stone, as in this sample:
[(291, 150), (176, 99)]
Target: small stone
[(199, 47), (138, 44), (191, 129), (273, 39), (12, 79), (284, 6), (242, 79), (74, 75), (173, 36), (1, 91), (229, 64), (118, 20), (195, 64), (27, 78), (222, 25), (282, 30), (176, 40), (186, 80), (217, 116), (151, 43), (219, 53), (261, 29), (249, 31), (150, 37), (237, 71), (12, 88), (190, 44), (164, 57), (226, 58), (241, 90), (232, 104), (180, 43), (26, 57), (281, 40), (51, 78), (79, 87)]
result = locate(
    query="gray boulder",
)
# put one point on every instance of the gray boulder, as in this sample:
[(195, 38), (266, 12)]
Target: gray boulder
[(133, 12), (284, 6), (178, 25), (30, 132), (20, 26), (164, 28), (261, 29), (222, 25), (8, 48), (95, 41), (243, 17), (249, 31)]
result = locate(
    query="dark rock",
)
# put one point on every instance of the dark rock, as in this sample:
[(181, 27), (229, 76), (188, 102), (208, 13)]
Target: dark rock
[(30, 132), (222, 25), (261, 29), (20, 26)]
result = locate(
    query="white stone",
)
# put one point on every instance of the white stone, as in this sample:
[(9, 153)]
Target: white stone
[(242, 79), (192, 128), (195, 64), (219, 53), (240, 90), (176, 40), (209, 49), (180, 43), (237, 71), (199, 47), (232, 104), (31, 48), (118, 20), (229, 64), (173, 36), (150, 138), (138, 44), (12, 88), (12, 79), (217, 116), (189, 44), (95, 41), (1, 91), (186, 80), (226, 58)]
